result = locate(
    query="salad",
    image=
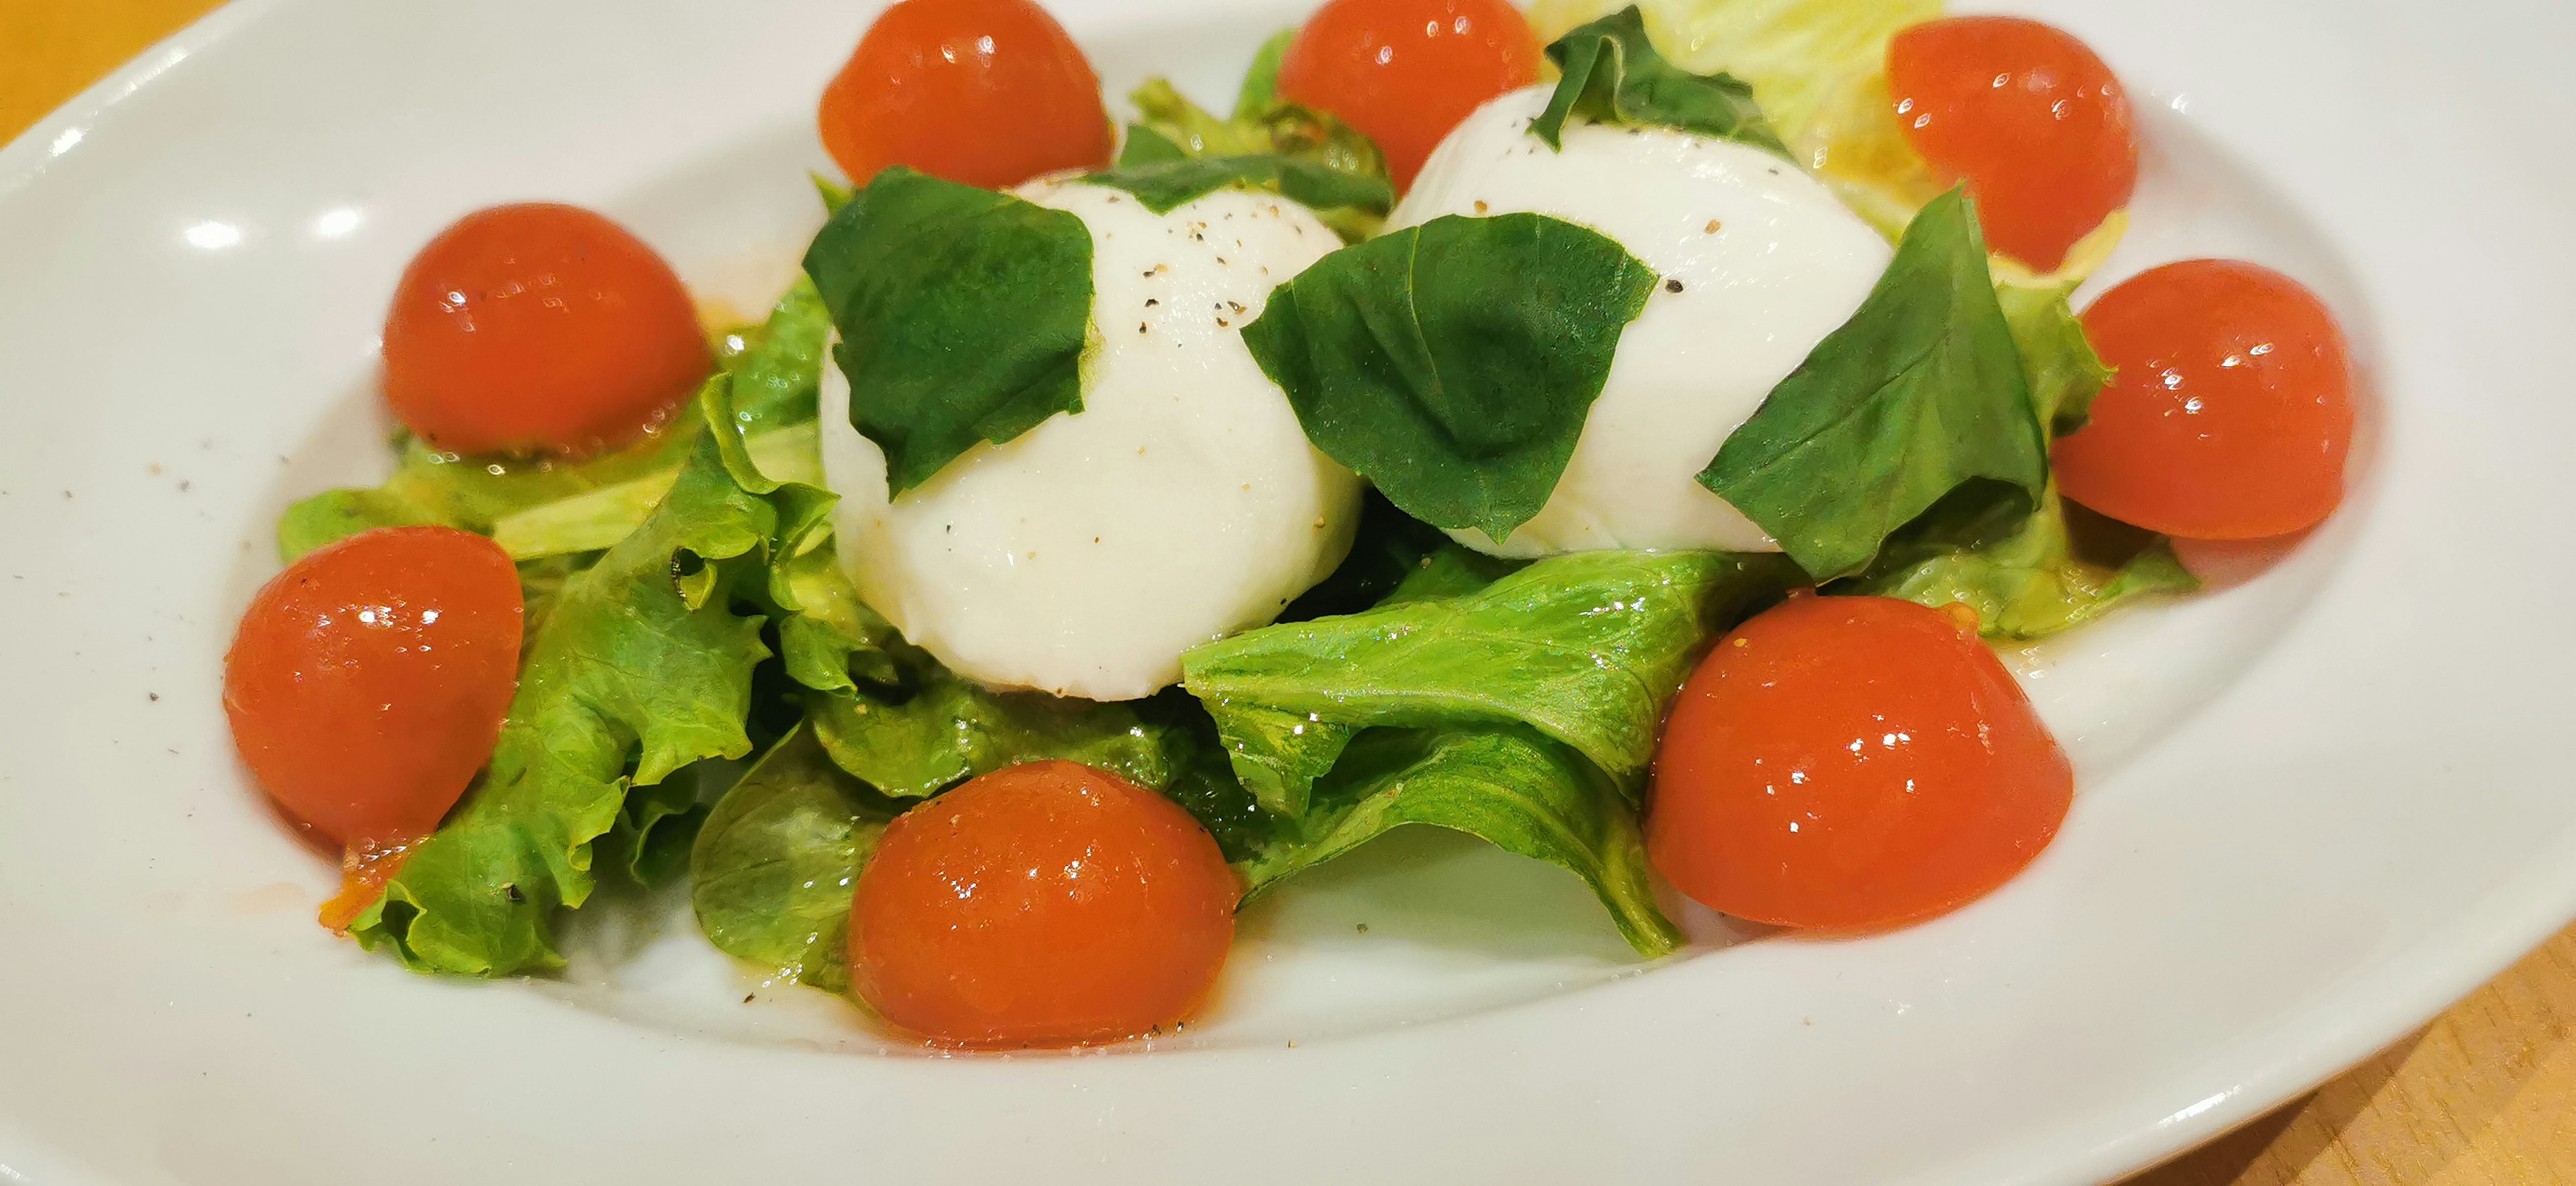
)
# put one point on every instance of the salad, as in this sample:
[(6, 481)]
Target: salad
[(1618, 434)]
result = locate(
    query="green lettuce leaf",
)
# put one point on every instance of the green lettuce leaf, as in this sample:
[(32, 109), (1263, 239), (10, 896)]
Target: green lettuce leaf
[(592, 520), (1452, 363), (1613, 75), (541, 507), (641, 666), (1520, 791), (1920, 392), (2057, 360), (1259, 93), (335, 515), (963, 316), (777, 366), (773, 868), (1587, 649), (474, 493), (2028, 575)]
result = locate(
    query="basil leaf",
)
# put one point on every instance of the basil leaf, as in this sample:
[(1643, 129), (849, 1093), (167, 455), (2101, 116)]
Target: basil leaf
[(773, 867), (1164, 183), (632, 675), (1452, 363), (1587, 648), (1179, 151), (1921, 391), (1614, 76), (2057, 360), (2027, 575), (963, 316), (1510, 786)]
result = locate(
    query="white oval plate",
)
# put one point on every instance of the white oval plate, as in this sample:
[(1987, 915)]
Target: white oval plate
[(2318, 806)]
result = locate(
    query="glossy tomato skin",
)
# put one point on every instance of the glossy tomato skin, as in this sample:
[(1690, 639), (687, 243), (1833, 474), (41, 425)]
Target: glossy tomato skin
[(1047, 904), (367, 683), (2029, 117), (988, 93), (1405, 72), (2231, 413), (539, 328), (1850, 763)]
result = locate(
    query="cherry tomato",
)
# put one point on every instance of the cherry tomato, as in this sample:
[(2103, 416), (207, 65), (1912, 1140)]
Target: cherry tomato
[(2231, 412), (1406, 71), (1047, 904), (982, 92), (366, 684), (539, 328), (1851, 762), (2028, 116)]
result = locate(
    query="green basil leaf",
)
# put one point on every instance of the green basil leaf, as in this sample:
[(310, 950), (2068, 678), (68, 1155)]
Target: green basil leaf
[(774, 866), (1587, 648), (2057, 359), (1164, 183), (1452, 363), (1520, 791), (1613, 75), (631, 676), (1920, 392), (2027, 575), (963, 316), (1319, 161)]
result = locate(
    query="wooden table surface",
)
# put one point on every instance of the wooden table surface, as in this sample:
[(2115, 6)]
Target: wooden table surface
[(2484, 1096)]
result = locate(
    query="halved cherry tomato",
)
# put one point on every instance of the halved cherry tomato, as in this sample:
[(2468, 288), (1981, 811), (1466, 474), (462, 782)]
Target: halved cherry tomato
[(981, 92), (1852, 762), (2028, 116), (2231, 413), (367, 683), (539, 327), (1404, 72), (1046, 904)]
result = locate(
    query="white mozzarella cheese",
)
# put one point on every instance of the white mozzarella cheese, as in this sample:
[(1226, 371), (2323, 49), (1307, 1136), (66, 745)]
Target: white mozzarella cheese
[(1758, 263), (1182, 504)]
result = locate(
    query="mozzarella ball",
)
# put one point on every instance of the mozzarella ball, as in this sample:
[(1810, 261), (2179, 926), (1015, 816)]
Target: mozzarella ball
[(1758, 262), (1181, 504)]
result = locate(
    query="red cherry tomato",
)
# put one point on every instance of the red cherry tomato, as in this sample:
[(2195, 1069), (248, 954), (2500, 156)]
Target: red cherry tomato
[(366, 684), (2231, 413), (2028, 116), (1850, 762), (1047, 904), (539, 327), (1406, 71), (982, 92)]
